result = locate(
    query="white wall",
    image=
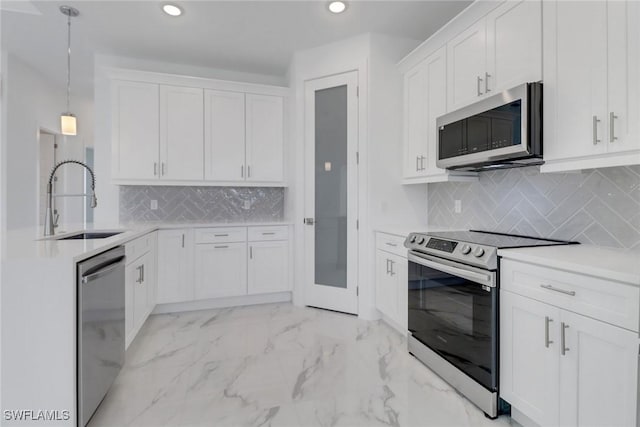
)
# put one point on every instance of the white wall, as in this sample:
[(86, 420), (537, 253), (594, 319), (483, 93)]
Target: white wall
[(382, 199), (32, 103), (107, 211)]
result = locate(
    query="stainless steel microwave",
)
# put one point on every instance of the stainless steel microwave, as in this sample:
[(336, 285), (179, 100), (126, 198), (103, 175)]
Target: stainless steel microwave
[(501, 131)]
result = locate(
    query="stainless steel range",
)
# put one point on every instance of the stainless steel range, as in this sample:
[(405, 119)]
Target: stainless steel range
[(453, 307)]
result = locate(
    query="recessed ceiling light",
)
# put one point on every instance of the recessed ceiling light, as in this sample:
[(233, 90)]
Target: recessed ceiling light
[(337, 6), (172, 9)]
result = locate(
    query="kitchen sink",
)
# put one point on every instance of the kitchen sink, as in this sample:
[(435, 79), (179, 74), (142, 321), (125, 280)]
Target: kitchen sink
[(87, 235)]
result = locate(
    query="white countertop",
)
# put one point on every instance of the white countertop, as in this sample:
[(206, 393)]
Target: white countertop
[(607, 263), (29, 243)]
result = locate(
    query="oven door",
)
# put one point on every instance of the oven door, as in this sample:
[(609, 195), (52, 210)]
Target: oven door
[(453, 310)]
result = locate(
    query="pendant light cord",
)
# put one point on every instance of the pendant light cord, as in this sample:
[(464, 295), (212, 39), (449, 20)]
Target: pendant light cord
[(68, 61)]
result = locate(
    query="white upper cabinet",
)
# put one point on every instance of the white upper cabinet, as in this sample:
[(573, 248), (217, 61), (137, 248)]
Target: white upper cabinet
[(264, 138), (498, 52), (467, 65), (181, 133), (165, 131), (415, 125), (592, 96), (224, 134), (514, 45), (135, 130)]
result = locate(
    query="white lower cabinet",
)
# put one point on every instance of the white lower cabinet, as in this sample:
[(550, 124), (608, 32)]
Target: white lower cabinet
[(558, 367), (221, 270), (391, 280), (175, 266), (140, 283), (267, 269)]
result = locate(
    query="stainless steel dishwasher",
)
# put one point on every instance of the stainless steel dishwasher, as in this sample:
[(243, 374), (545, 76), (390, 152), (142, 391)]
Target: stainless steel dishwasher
[(101, 333)]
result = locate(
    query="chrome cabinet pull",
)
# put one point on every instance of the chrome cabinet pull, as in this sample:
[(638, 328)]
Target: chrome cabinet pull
[(479, 83), (547, 341), (422, 162), (563, 339), (595, 130), (486, 82), (268, 233), (162, 168), (139, 279), (562, 291), (221, 247), (250, 252), (309, 221), (220, 235), (390, 244), (417, 163), (391, 272), (242, 171), (388, 260), (249, 171), (612, 133), (155, 168), (183, 240)]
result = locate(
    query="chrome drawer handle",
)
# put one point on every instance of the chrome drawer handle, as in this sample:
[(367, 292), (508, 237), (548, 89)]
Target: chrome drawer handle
[(268, 234), (562, 291), (612, 132), (595, 130), (391, 244), (221, 247), (479, 82), (220, 235)]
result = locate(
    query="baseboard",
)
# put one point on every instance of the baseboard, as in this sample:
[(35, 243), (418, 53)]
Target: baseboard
[(222, 302)]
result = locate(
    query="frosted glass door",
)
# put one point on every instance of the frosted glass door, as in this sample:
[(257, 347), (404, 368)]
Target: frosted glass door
[(331, 137), (331, 187)]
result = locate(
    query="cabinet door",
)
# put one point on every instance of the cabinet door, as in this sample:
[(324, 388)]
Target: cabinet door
[(575, 78), (224, 150), (466, 56), (265, 138), (436, 106), (135, 130), (131, 274), (624, 75), (268, 267), (415, 123), (181, 133), (401, 275), (514, 44), (221, 270), (386, 295), (598, 373), (140, 290), (175, 266), (529, 368)]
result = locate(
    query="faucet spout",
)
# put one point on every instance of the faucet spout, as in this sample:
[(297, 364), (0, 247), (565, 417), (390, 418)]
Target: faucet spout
[(49, 222)]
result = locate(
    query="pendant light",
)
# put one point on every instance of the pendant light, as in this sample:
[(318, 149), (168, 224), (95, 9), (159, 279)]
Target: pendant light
[(68, 120)]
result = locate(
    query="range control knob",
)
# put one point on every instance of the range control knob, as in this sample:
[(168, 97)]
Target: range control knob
[(478, 252), (465, 249), (421, 240), (413, 239)]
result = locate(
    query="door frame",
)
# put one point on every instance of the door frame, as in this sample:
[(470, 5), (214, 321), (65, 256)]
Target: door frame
[(333, 298)]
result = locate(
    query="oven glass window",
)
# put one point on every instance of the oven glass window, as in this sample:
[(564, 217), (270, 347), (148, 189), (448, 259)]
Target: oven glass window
[(456, 318)]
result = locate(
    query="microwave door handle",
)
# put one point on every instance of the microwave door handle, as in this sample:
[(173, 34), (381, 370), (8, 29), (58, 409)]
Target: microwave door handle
[(483, 279)]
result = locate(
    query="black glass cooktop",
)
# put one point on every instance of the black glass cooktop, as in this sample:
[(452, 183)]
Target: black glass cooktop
[(497, 240)]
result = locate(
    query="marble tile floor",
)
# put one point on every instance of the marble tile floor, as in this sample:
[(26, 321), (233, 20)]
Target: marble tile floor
[(278, 365)]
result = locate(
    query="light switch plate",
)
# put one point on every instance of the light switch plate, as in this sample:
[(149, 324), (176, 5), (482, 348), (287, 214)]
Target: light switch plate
[(247, 204), (154, 205)]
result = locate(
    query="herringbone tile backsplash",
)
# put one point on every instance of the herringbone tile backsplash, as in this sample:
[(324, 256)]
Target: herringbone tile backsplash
[(201, 204), (597, 206)]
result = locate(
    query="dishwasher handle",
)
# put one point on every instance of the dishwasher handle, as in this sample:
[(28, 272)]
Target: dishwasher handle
[(104, 270)]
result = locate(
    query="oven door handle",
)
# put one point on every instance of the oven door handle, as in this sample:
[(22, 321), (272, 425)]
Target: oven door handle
[(451, 268)]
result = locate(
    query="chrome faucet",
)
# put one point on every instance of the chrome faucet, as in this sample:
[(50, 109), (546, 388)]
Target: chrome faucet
[(49, 225)]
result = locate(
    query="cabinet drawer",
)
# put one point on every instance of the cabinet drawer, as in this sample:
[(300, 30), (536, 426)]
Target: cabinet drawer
[(221, 235), (391, 243), (136, 248), (277, 232), (612, 302)]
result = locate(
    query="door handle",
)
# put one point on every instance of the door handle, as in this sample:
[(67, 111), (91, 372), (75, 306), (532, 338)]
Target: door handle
[(564, 348), (547, 341), (595, 130), (612, 133), (309, 221), (478, 84)]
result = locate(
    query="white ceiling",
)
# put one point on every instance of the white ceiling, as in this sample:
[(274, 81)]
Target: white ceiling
[(248, 36)]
